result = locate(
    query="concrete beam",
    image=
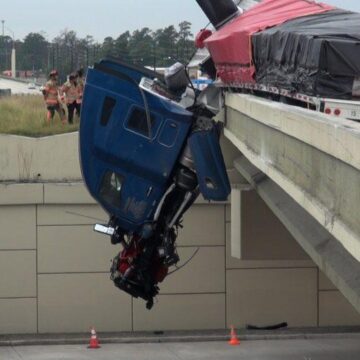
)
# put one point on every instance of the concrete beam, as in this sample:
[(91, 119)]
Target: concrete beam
[(324, 249), (313, 157)]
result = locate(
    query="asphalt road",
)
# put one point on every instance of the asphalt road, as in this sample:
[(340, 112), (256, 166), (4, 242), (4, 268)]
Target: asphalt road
[(18, 87), (311, 349)]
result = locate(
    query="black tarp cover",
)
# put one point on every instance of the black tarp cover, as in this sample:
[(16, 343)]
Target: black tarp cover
[(314, 55)]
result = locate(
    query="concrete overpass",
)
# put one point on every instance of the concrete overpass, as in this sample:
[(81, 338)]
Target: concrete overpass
[(306, 167)]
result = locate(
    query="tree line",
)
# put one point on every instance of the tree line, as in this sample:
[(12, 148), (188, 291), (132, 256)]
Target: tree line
[(67, 52)]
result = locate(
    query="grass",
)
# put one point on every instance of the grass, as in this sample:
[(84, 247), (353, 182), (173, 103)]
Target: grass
[(26, 115)]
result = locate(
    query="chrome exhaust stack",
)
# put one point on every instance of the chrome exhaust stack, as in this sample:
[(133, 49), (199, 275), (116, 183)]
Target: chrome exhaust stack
[(219, 12)]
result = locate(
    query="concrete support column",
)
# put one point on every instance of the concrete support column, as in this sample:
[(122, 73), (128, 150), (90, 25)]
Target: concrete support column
[(13, 63), (236, 223)]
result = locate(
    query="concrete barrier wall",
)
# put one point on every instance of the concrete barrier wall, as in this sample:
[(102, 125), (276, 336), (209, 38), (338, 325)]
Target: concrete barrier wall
[(56, 158), (54, 270), (52, 158)]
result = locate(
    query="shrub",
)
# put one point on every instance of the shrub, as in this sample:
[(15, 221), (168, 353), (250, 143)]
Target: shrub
[(26, 115)]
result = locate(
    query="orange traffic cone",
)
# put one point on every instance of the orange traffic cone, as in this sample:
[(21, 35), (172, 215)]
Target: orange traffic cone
[(233, 338), (94, 343)]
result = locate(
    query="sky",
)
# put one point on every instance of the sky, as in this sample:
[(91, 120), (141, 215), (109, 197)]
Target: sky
[(101, 18)]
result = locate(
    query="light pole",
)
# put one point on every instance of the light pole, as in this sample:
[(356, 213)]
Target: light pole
[(3, 27)]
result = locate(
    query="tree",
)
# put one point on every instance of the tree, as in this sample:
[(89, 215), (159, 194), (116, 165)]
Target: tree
[(185, 43), (85, 54), (33, 52), (141, 47), (165, 42), (6, 44), (122, 46), (67, 52), (108, 47)]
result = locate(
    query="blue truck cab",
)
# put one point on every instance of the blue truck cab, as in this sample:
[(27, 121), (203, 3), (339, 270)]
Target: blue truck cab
[(125, 164), (145, 158)]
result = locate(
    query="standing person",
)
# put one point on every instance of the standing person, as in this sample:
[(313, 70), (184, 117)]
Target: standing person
[(80, 86), (51, 97), (70, 90)]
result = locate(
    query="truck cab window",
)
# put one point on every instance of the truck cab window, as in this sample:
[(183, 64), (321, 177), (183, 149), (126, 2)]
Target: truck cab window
[(107, 109), (137, 121), (110, 188)]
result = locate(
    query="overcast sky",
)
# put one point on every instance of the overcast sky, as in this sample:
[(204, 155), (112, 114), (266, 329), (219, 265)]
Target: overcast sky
[(101, 18)]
